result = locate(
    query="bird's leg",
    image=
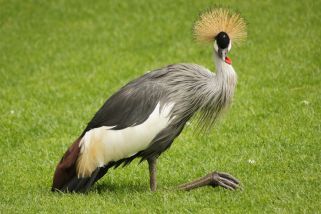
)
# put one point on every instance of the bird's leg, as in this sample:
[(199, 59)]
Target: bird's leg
[(213, 179), (152, 173)]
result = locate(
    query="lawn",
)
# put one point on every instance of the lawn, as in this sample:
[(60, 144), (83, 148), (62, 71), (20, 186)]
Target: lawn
[(60, 60)]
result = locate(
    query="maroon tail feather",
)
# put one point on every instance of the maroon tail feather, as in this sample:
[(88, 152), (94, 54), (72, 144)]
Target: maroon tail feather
[(66, 168), (66, 179)]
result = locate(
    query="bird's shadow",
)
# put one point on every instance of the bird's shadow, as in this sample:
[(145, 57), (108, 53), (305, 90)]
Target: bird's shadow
[(123, 187)]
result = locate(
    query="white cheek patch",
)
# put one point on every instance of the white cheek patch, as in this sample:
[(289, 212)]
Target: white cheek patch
[(215, 46), (229, 46), (102, 145)]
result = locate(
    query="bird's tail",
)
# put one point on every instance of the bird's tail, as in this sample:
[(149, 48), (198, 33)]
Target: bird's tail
[(65, 177)]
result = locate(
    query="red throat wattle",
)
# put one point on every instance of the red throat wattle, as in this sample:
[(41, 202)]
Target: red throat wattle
[(228, 60)]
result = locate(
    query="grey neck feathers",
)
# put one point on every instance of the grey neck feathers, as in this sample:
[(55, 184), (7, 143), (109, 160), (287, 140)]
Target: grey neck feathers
[(219, 97), (225, 79), (194, 88)]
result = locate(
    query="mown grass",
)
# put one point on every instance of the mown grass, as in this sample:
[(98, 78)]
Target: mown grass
[(60, 60)]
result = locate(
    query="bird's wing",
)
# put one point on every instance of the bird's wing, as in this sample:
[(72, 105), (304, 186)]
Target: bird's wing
[(129, 106), (132, 104)]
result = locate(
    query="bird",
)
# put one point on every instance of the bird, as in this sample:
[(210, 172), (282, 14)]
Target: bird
[(144, 117)]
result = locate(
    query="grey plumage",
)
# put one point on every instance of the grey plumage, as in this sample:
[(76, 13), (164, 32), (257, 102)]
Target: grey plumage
[(191, 87)]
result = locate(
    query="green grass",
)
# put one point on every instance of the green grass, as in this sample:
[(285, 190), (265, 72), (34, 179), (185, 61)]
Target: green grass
[(60, 60)]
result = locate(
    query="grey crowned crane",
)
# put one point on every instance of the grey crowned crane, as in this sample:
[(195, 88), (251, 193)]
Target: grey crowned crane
[(143, 118)]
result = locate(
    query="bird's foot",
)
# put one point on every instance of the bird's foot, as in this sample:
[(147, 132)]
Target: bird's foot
[(213, 179), (224, 180)]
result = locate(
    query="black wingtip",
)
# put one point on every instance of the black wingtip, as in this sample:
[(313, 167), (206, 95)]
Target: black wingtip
[(79, 185)]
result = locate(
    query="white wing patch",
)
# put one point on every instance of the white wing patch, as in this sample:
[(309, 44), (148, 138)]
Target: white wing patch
[(102, 145)]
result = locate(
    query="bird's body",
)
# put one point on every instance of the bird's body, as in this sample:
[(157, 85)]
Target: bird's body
[(168, 102), (143, 118)]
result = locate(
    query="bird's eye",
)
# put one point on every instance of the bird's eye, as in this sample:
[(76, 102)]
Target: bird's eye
[(222, 40)]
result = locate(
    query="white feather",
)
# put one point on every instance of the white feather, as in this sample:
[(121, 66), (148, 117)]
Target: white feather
[(102, 145)]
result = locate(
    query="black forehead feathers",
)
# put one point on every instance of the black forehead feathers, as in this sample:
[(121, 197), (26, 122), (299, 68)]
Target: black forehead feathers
[(222, 40)]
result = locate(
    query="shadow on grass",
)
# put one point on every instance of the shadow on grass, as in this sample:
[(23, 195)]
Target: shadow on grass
[(119, 187)]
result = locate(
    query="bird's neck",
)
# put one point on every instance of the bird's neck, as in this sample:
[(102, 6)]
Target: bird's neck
[(225, 78), (218, 93)]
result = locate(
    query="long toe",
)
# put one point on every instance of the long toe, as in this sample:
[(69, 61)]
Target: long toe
[(224, 180), (228, 176), (229, 184)]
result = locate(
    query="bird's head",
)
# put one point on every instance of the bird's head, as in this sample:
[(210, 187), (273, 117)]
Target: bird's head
[(222, 45), (221, 26)]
